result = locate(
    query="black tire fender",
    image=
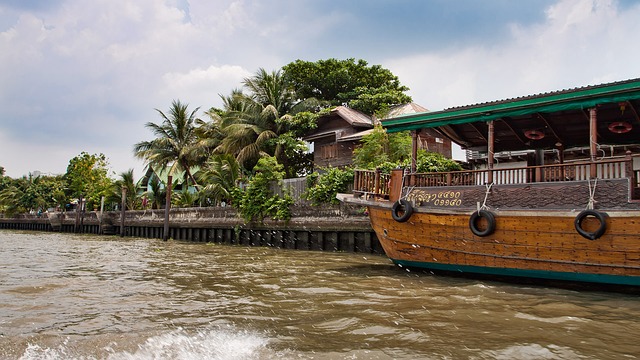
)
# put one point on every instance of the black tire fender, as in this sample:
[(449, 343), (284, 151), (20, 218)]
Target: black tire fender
[(403, 206), (491, 223), (600, 216)]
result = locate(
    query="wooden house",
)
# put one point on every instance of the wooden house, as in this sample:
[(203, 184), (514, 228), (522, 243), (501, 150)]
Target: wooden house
[(333, 140), (339, 133)]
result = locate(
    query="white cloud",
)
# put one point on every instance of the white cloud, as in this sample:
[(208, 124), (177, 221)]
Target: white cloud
[(202, 86), (580, 43)]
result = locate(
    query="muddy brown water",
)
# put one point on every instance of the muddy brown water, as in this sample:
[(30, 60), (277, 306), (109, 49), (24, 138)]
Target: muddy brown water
[(65, 296)]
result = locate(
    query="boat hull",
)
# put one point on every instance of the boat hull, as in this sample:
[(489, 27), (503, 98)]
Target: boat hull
[(531, 244)]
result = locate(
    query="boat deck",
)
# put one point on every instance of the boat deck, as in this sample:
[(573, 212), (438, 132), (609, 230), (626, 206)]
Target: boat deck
[(374, 184)]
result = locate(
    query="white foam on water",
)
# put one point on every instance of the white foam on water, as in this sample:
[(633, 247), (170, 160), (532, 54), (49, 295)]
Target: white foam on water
[(180, 344), (530, 351)]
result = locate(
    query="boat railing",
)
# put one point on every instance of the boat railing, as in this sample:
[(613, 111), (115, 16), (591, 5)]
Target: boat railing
[(374, 183), (371, 183)]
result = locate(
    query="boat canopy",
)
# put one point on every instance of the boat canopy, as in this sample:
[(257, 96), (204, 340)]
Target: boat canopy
[(542, 121)]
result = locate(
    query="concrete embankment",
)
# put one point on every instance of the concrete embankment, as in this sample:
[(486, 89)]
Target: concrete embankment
[(326, 228)]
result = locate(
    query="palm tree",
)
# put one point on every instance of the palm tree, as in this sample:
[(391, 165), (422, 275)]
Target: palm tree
[(247, 135), (271, 89), (220, 174), (176, 146), (253, 122), (209, 135), (155, 192), (10, 200), (126, 181)]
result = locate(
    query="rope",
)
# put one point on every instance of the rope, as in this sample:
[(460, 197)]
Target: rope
[(486, 195), (592, 193), (407, 191)]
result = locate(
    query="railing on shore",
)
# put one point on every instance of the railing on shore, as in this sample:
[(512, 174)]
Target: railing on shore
[(374, 183)]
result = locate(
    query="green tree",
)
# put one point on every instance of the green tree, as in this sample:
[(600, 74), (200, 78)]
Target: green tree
[(379, 147), (370, 89), (87, 176), (271, 89), (11, 200), (156, 193), (125, 181), (185, 198), (258, 201), (32, 193), (435, 162), (389, 151), (262, 122), (247, 133), (322, 188), (176, 146), (220, 174), (209, 135)]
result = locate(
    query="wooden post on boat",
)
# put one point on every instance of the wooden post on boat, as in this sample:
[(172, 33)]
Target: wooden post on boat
[(122, 210), (490, 148), (376, 182), (593, 142), (630, 174), (167, 207), (395, 189), (414, 157), (414, 151)]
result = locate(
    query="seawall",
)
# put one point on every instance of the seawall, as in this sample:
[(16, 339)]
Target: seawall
[(326, 228)]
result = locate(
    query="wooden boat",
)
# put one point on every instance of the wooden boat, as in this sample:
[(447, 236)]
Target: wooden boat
[(552, 192)]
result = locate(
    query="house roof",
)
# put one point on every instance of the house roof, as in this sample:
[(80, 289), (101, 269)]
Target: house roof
[(561, 116), (320, 135), (353, 117), (357, 136), (405, 109), (163, 175)]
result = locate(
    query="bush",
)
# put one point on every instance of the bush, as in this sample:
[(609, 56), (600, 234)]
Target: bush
[(322, 188), (257, 201), (426, 162)]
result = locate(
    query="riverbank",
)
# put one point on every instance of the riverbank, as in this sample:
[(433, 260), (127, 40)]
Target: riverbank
[(326, 228)]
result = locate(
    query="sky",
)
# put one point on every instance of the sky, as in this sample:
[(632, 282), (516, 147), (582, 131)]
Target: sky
[(79, 75)]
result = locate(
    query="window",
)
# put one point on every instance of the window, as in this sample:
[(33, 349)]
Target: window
[(329, 151)]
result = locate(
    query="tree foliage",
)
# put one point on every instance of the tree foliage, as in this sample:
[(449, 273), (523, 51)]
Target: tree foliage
[(264, 122), (389, 151), (378, 148), (176, 145), (31, 194), (156, 193), (126, 181), (370, 89), (220, 174), (258, 201), (87, 176), (435, 162), (322, 188)]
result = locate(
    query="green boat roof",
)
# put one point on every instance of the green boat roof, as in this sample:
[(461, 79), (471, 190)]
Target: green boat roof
[(541, 121), (553, 102)]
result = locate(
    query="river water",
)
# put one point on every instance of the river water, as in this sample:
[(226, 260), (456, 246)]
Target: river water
[(66, 296)]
